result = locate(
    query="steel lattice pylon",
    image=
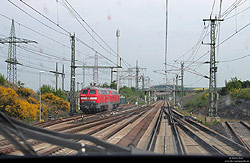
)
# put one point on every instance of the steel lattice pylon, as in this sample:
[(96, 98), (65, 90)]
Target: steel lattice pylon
[(72, 78), (95, 70), (213, 95), (12, 61), (212, 111)]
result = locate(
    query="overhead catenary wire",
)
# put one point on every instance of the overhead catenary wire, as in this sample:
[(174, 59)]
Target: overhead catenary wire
[(197, 44), (223, 15), (222, 42), (91, 29), (238, 13), (45, 17), (68, 33), (39, 53), (191, 71), (237, 3), (46, 54), (235, 59), (212, 9), (78, 18), (43, 35), (37, 19), (76, 37)]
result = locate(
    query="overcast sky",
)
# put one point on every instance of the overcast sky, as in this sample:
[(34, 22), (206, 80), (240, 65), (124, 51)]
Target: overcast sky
[(142, 26)]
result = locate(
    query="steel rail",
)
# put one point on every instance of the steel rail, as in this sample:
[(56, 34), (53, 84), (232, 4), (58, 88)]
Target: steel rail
[(243, 150), (236, 136), (135, 134), (179, 144), (245, 124), (152, 139), (10, 148), (197, 139)]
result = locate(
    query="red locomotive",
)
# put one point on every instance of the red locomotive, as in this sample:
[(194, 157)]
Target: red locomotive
[(94, 99)]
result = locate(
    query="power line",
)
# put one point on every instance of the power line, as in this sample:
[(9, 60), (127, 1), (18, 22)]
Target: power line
[(235, 4), (45, 17), (43, 35), (235, 59), (222, 42), (212, 9), (12, 60), (190, 70), (77, 39), (93, 31), (37, 19), (201, 38), (234, 34), (238, 13), (87, 30)]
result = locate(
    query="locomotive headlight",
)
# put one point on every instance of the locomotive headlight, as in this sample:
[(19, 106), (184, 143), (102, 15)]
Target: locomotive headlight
[(93, 98), (83, 98)]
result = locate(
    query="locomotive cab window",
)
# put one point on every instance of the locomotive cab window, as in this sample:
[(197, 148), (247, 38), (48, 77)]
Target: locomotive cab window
[(92, 92), (85, 91)]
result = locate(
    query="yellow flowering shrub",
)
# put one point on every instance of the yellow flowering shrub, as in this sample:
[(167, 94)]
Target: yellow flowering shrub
[(21, 104), (23, 110), (26, 92), (19, 107), (7, 97), (58, 103), (32, 100)]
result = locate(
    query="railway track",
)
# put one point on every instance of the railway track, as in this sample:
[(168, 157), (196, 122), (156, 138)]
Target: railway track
[(179, 135), (156, 128), (67, 125), (240, 133), (119, 130), (89, 126), (210, 141)]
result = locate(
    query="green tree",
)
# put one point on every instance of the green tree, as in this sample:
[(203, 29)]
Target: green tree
[(131, 93), (126, 91), (113, 85), (245, 84), (20, 84), (60, 93), (49, 89), (234, 83), (2, 79), (105, 85), (46, 89)]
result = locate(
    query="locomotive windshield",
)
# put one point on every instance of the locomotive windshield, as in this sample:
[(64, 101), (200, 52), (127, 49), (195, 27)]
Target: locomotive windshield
[(92, 92), (85, 91)]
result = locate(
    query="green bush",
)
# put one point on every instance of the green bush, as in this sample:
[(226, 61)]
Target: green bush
[(49, 89), (241, 93), (2, 80), (199, 101), (46, 89), (60, 93), (26, 92)]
